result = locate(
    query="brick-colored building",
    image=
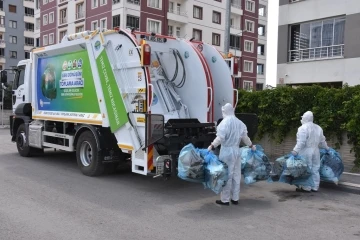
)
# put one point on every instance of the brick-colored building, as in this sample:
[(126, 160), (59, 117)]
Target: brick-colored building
[(202, 19)]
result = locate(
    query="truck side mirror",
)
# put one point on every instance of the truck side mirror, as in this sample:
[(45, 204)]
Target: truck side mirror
[(3, 76)]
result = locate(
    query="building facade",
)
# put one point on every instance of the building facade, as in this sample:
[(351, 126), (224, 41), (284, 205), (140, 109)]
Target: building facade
[(202, 19), (319, 42), (16, 31)]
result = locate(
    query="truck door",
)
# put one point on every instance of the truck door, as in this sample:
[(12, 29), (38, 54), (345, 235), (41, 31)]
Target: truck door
[(18, 93)]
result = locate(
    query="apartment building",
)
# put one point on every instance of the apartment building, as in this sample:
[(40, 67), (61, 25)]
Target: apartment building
[(16, 31), (319, 42), (202, 19)]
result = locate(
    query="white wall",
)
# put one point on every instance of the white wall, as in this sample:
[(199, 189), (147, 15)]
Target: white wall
[(316, 9), (336, 70)]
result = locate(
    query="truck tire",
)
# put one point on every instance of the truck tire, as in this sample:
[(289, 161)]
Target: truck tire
[(89, 159), (25, 151)]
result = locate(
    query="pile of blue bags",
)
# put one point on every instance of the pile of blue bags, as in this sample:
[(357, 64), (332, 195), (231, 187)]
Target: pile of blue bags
[(202, 166), (293, 170), (255, 165), (331, 166)]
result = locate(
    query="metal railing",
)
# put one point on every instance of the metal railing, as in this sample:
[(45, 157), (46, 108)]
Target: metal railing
[(80, 15), (136, 2), (236, 5), (235, 27), (177, 12), (29, 29), (63, 20), (116, 1), (29, 15), (310, 54)]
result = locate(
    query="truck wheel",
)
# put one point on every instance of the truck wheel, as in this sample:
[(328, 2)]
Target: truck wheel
[(24, 151), (88, 157)]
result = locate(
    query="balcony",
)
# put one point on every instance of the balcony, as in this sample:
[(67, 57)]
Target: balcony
[(29, 32), (29, 18), (177, 16), (2, 28), (80, 15), (236, 7), (2, 12), (2, 59), (2, 43), (28, 47), (235, 27), (319, 53), (29, 3)]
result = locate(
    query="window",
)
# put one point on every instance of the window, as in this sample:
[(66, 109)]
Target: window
[(103, 23), (103, 2), (132, 22), (51, 17), (178, 32), (38, 23), (250, 6), (237, 83), (154, 26), (51, 38), (249, 26), (261, 49), (154, 3), (262, 9), (216, 17), (248, 46), (13, 54), (248, 85), (27, 55), (45, 40), (94, 25), (2, 52), (198, 12), (29, 12), (80, 13), (261, 30), (317, 40), (12, 8), (29, 27), (62, 34), (37, 42), (94, 3), (63, 16), (116, 21), (171, 7), (29, 41), (259, 86), (217, 0), (170, 30), (216, 39), (45, 19), (234, 41), (260, 69), (12, 24), (45, 2), (79, 29), (248, 66), (19, 78), (13, 39), (116, 1), (136, 2), (197, 34)]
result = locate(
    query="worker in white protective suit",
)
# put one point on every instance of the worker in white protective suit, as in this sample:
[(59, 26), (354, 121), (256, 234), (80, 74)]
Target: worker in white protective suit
[(229, 134), (309, 139)]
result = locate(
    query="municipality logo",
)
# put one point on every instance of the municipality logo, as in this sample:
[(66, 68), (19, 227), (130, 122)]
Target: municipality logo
[(97, 45)]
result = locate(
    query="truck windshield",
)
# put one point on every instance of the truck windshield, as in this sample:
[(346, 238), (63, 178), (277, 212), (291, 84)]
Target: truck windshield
[(19, 77)]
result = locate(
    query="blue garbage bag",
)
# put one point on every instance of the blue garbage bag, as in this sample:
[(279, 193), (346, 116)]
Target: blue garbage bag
[(331, 166), (255, 165), (293, 170), (191, 165), (216, 171)]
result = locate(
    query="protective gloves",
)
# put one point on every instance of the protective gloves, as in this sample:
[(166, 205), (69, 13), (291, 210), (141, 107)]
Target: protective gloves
[(253, 147), (210, 147), (294, 153)]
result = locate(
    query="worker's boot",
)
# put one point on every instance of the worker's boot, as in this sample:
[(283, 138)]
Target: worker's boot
[(222, 203), (234, 202)]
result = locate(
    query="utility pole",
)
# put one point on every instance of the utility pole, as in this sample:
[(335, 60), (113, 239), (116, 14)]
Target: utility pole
[(227, 26)]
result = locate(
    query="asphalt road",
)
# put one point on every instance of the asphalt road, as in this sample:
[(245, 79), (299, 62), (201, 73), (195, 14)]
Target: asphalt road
[(48, 198)]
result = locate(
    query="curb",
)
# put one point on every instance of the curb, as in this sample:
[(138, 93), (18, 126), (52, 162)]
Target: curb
[(343, 187)]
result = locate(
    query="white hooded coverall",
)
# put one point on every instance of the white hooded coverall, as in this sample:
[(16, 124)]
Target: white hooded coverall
[(308, 140), (229, 134)]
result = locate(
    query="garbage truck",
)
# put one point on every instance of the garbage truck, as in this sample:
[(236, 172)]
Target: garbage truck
[(116, 96)]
